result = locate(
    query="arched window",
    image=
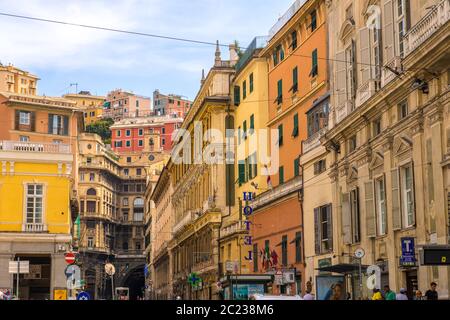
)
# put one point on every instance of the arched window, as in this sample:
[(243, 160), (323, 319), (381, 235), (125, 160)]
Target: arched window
[(91, 192), (138, 202)]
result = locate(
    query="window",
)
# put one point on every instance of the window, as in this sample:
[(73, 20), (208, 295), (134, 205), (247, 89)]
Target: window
[(91, 177), (58, 124), (118, 144), (128, 159), (128, 143), (320, 166), (255, 257), (244, 129), (296, 167), (402, 23), (281, 51), (126, 188), (294, 80), (352, 143), (380, 198), (294, 40), (317, 117), (125, 202), (138, 172), (244, 89), (90, 242), (275, 58), (295, 130), (252, 124), (298, 247), (24, 139), (281, 175), (88, 160), (279, 99), (355, 215), (81, 177), (407, 196), (138, 245), (402, 110), (126, 172), (163, 141), (91, 192), (315, 64), (313, 20), (350, 71), (284, 253), (251, 82), (137, 103), (323, 229), (241, 172), (141, 132), (280, 135), (34, 203), (138, 209), (376, 127), (163, 130), (128, 133), (24, 117), (376, 49), (237, 95)]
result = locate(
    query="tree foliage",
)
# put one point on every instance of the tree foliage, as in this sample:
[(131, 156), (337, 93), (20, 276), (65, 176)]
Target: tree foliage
[(102, 128)]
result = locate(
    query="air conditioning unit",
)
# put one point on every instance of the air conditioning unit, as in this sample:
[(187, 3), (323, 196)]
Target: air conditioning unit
[(289, 277)]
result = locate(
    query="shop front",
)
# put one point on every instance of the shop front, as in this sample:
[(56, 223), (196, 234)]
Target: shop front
[(242, 287)]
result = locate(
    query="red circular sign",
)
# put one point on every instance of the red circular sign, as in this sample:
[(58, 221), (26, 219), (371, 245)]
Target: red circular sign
[(70, 258)]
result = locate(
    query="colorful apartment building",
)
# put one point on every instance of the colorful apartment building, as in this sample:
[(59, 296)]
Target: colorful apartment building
[(15, 80), (91, 105), (170, 104), (121, 104), (138, 134), (38, 167), (297, 79)]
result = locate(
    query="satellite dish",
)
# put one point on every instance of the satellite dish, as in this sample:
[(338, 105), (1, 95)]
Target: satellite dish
[(110, 269)]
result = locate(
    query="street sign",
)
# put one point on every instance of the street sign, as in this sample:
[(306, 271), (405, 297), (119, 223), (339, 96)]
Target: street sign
[(70, 258), (83, 295), (408, 257), (60, 294), (360, 253), (436, 255), (24, 266), (110, 269)]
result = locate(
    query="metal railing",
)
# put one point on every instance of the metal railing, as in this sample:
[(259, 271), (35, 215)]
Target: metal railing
[(257, 43), (314, 141), (40, 147)]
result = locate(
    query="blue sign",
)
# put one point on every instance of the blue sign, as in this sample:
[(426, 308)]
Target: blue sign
[(83, 295), (408, 258)]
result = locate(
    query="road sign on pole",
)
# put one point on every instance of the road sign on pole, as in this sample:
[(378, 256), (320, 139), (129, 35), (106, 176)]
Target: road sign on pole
[(70, 258), (83, 295), (24, 266)]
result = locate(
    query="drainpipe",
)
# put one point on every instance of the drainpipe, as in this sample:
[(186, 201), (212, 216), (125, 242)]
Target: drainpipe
[(302, 170)]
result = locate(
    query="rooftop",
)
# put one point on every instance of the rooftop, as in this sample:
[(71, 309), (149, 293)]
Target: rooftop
[(39, 100)]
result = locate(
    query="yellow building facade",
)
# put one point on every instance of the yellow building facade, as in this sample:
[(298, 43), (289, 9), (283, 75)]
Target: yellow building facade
[(91, 105)]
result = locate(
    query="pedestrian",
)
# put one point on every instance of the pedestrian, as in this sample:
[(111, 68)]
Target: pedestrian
[(308, 295), (418, 295), (432, 294), (377, 294), (388, 293), (402, 295)]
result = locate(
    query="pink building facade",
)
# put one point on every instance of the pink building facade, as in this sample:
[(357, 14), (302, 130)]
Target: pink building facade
[(122, 104)]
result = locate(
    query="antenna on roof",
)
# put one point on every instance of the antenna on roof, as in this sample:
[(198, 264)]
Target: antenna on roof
[(76, 86)]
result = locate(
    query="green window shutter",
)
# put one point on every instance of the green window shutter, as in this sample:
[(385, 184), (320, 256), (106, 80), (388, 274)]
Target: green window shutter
[(281, 54), (317, 231), (50, 123), (237, 95), (280, 135), (244, 89), (244, 127), (295, 79), (250, 167), (295, 131), (314, 69), (252, 123), (281, 175), (280, 91), (251, 82), (241, 168), (275, 57), (296, 167)]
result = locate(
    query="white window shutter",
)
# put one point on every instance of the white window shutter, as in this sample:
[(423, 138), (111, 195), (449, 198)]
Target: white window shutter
[(365, 66), (370, 209), (396, 212), (388, 31), (341, 78), (346, 219)]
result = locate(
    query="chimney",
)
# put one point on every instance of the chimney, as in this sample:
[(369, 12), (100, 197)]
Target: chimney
[(234, 57)]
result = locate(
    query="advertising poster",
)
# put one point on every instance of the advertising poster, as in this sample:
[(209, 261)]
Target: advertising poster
[(328, 287)]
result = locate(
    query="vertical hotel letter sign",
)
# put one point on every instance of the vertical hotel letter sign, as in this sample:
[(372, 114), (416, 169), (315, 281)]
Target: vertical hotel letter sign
[(248, 210)]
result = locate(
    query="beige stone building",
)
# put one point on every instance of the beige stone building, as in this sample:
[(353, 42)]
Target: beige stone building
[(386, 150), (15, 80)]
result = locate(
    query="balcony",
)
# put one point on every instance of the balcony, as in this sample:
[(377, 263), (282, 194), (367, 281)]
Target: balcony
[(366, 91), (34, 227), (314, 141), (290, 186), (188, 218), (129, 253), (427, 26), (236, 227), (344, 110), (34, 147)]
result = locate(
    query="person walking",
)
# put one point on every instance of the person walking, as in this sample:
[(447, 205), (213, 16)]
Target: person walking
[(377, 294), (308, 295), (418, 295), (388, 293), (402, 295), (432, 294)]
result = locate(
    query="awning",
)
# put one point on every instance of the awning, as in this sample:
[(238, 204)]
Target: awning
[(343, 268)]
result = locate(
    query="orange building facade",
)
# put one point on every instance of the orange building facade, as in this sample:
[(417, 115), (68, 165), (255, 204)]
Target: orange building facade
[(298, 73)]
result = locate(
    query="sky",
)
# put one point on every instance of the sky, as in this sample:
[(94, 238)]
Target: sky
[(100, 61)]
